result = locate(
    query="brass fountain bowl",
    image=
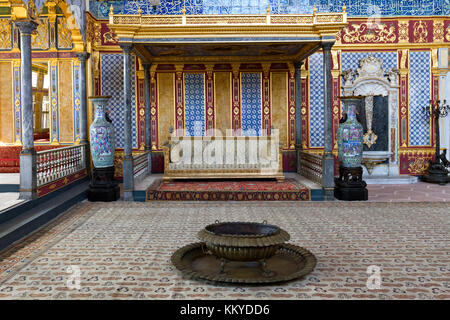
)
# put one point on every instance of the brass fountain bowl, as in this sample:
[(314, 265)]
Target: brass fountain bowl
[(243, 241)]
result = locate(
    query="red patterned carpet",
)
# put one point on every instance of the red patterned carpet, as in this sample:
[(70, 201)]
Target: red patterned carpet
[(241, 190)]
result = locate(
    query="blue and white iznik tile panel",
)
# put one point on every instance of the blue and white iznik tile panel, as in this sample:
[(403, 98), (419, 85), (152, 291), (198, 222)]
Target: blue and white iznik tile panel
[(112, 85), (251, 103), (194, 103), (316, 89), (419, 97), (354, 7), (350, 60)]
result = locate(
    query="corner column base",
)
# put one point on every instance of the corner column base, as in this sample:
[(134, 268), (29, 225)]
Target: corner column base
[(328, 194), (128, 178), (28, 174)]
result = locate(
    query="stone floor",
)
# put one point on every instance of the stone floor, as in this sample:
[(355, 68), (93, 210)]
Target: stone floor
[(123, 251), (9, 199), (417, 192)]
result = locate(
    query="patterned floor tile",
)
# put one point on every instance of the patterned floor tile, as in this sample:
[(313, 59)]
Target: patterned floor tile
[(123, 251)]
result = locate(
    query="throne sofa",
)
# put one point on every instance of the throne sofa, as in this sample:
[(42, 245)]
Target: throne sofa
[(222, 157)]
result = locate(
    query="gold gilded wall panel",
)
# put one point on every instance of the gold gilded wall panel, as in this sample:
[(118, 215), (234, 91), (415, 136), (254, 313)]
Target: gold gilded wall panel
[(6, 103), (39, 37), (65, 101), (64, 34), (166, 106), (279, 100), (5, 34), (222, 91)]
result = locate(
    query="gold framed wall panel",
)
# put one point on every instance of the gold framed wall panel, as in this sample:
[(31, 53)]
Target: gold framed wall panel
[(6, 102), (65, 98), (280, 105), (166, 105), (223, 101)]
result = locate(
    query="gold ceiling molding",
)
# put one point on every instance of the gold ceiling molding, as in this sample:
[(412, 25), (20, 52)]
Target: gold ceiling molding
[(139, 26), (231, 19)]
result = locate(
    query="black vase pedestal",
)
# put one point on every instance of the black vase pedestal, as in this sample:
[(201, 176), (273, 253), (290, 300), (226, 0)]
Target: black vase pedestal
[(350, 186), (103, 186)]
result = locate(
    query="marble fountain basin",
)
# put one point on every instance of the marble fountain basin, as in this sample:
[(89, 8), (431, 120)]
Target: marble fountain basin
[(371, 159)]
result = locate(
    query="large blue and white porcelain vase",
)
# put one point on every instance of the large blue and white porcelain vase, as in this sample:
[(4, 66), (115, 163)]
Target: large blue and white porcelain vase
[(350, 134), (101, 135)]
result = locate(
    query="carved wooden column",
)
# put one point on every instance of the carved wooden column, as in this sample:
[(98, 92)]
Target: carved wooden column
[(298, 112), (236, 107), (292, 91), (335, 93), (140, 108), (266, 108), (148, 119), (209, 106), (179, 101), (403, 98), (153, 108)]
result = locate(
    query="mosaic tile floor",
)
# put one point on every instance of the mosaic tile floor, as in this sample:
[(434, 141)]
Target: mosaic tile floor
[(123, 251)]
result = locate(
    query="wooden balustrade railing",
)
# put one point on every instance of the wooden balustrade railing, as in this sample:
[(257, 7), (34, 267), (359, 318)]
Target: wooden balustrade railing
[(311, 166), (58, 163), (140, 164)]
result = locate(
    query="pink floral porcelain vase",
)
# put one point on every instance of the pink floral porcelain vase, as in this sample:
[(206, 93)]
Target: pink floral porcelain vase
[(102, 137)]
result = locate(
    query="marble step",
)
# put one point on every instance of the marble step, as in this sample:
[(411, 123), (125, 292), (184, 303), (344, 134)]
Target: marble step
[(390, 179), (21, 220)]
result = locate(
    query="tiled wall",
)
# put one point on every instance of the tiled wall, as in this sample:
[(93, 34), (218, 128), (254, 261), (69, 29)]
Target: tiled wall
[(316, 88), (112, 85), (419, 91), (350, 60), (194, 103), (251, 103)]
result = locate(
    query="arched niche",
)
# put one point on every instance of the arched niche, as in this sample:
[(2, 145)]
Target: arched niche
[(370, 80)]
